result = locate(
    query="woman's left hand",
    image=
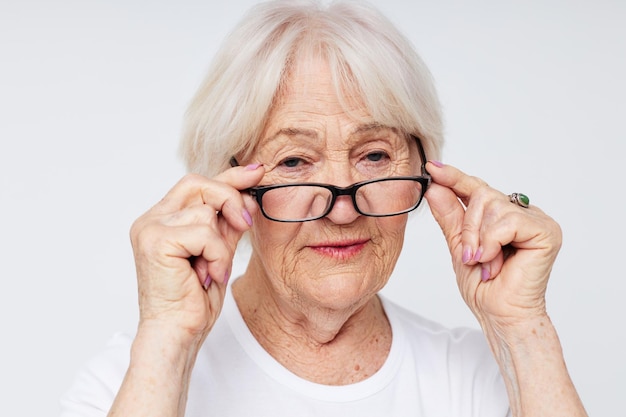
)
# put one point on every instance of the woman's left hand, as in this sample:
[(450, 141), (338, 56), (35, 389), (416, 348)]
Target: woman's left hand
[(502, 253)]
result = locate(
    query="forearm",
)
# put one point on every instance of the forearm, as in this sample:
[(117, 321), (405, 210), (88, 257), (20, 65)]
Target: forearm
[(532, 364), (157, 379)]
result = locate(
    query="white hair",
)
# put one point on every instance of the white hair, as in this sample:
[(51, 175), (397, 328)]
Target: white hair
[(367, 56)]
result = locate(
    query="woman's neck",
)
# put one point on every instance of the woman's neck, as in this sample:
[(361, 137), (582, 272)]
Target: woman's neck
[(323, 345)]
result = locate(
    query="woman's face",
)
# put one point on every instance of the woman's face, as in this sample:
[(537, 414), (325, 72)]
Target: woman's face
[(341, 260)]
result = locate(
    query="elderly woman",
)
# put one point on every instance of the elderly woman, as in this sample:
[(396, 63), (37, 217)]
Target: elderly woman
[(312, 133)]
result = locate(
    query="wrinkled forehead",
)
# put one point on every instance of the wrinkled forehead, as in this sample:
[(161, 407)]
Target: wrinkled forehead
[(315, 70)]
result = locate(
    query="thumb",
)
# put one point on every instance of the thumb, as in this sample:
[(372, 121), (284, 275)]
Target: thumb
[(448, 211)]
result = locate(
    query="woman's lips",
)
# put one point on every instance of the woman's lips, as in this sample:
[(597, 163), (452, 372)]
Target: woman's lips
[(340, 250)]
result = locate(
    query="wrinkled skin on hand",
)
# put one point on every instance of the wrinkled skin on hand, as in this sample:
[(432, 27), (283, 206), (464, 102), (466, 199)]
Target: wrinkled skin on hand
[(502, 253), (184, 247)]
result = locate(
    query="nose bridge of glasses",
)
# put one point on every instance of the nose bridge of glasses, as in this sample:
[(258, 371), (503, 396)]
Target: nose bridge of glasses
[(339, 191), (341, 207), (348, 194)]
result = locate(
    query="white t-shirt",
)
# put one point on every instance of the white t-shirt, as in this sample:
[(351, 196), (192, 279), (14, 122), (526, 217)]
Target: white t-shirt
[(430, 371)]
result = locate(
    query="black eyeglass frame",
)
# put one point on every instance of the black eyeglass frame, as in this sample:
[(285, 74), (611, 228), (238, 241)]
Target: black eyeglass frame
[(424, 179)]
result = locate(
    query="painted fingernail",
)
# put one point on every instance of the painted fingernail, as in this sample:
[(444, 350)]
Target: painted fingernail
[(207, 282), (437, 164), (467, 254), (247, 217), (252, 167), (478, 254), (485, 272)]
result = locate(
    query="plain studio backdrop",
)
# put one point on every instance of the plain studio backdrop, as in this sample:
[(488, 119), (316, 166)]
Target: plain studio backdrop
[(92, 94)]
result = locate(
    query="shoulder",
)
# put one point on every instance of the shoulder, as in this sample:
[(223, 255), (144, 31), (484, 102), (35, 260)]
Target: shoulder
[(454, 345), (452, 366), (96, 384)]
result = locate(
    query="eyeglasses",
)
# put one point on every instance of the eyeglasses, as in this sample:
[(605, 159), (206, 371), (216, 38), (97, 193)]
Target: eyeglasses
[(309, 201), (381, 197)]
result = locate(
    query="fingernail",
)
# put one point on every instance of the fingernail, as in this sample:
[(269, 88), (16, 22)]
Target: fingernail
[(478, 254), (437, 164), (485, 272), (247, 217), (252, 167), (226, 277), (207, 282), (467, 254)]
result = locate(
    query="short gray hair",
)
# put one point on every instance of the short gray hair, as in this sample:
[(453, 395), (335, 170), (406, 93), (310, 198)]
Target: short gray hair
[(367, 56)]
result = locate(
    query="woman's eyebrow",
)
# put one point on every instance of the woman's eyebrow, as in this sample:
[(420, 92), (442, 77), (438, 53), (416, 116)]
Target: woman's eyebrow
[(294, 131), (369, 127)]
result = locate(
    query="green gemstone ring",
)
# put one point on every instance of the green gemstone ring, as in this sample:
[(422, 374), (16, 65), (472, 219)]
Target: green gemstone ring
[(520, 199)]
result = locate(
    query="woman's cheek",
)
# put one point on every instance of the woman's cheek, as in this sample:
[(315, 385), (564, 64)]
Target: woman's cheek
[(276, 244), (389, 242)]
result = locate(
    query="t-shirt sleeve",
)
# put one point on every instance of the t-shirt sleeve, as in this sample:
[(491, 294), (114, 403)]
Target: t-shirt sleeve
[(97, 383), (455, 372), (482, 380)]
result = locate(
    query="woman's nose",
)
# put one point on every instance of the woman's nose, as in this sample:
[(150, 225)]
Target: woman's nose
[(343, 211)]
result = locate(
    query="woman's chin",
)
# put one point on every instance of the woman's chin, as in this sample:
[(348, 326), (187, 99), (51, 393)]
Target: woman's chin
[(343, 291)]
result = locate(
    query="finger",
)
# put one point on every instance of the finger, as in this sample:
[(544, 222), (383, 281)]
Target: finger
[(491, 269), (195, 189), (233, 235), (216, 292), (475, 194), (207, 216), (221, 194), (198, 214), (239, 178), (462, 184), (205, 271), (485, 206), (176, 239), (449, 213), (210, 255), (461, 229), (495, 248), (519, 229)]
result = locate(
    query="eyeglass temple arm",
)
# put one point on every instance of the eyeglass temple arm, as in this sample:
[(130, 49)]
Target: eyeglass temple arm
[(422, 154)]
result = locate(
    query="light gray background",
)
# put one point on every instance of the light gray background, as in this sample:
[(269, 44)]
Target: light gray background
[(91, 98)]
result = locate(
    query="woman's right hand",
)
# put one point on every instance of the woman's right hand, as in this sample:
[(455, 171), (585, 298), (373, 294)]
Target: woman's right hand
[(184, 247)]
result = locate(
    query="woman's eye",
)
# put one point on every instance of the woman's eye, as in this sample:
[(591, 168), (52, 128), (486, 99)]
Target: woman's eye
[(376, 156), (291, 162)]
